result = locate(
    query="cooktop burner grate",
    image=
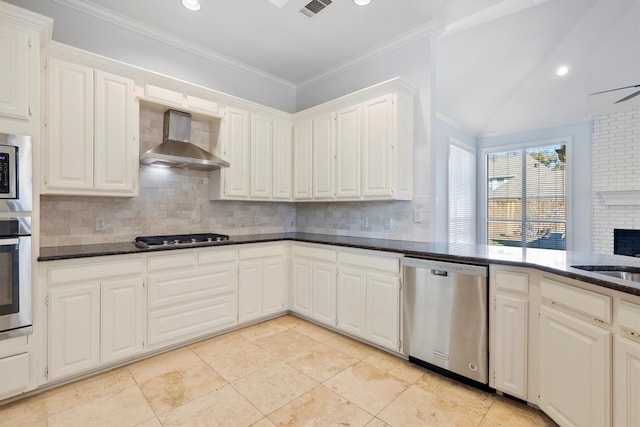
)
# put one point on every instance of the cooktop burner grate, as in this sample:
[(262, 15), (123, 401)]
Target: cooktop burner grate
[(179, 239)]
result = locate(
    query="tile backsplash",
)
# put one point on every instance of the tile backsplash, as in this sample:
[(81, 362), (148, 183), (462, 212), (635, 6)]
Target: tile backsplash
[(176, 201)]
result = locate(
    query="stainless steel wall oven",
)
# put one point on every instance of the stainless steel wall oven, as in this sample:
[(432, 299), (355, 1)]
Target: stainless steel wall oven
[(16, 201)]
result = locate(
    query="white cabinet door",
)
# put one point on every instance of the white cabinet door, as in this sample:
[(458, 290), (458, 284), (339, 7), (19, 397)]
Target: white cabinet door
[(302, 280), (74, 330), (116, 128), (324, 157), (122, 317), (377, 147), (348, 155), (274, 285), (15, 71), (282, 160), (383, 310), (324, 293), (575, 366), (303, 161), (510, 334), (626, 382), (69, 126), (250, 290), (237, 152), (352, 301), (261, 157)]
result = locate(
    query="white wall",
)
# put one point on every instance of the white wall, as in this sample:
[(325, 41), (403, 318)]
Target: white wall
[(89, 33), (579, 222)]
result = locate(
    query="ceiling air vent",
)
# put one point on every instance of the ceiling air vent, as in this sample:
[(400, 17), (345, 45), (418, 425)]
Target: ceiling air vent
[(314, 6)]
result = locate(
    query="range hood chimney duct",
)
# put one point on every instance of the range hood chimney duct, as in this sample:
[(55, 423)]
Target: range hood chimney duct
[(176, 150)]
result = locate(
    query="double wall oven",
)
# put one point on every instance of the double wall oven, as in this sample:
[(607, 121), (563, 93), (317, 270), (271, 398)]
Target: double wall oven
[(16, 200)]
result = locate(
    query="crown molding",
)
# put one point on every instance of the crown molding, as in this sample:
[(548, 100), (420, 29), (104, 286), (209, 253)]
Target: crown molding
[(431, 28), (41, 23), (162, 36)]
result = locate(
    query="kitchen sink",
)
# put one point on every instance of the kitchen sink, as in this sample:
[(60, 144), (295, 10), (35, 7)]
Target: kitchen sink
[(619, 271)]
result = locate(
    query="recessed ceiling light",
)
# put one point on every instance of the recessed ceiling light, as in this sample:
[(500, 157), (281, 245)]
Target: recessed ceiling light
[(193, 5), (562, 70), (362, 2)]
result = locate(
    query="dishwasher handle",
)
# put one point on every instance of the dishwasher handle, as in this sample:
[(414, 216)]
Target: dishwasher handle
[(445, 267)]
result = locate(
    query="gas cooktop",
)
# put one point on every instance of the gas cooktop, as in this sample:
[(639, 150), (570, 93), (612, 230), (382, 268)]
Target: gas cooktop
[(146, 242)]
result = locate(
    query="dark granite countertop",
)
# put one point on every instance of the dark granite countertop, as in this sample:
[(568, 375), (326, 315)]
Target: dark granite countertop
[(556, 262)]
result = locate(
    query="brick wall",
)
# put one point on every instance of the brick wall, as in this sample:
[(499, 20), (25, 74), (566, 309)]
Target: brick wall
[(615, 167)]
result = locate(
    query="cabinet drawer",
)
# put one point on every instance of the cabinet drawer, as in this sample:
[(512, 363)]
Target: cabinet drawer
[(591, 304), (628, 316), (388, 265), (315, 253), (512, 281), (216, 256), (14, 372), (94, 272), (186, 321), (179, 259), (171, 289), (260, 251)]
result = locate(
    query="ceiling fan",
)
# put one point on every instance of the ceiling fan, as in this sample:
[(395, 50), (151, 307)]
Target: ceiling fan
[(636, 93)]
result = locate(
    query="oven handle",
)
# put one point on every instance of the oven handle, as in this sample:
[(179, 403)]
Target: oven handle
[(8, 242)]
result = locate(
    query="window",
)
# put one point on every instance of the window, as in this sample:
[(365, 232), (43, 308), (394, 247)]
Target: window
[(526, 197), (462, 190)]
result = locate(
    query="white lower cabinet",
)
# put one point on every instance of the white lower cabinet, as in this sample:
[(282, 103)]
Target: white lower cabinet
[(122, 319), (15, 374), (626, 366), (262, 282), (314, 283), (508, 290), (368, 297), (352, 301), (575, 355), (96, 315), (74, 330), (626, 382), (191, 293)]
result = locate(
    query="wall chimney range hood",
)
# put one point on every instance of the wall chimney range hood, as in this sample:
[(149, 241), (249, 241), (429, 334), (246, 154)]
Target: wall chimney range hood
[(176, 150)]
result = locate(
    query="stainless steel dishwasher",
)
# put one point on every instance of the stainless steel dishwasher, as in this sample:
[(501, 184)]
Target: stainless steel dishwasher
[(445, 317)]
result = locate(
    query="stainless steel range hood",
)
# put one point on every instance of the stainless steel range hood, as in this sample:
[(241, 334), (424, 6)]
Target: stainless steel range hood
[(177, 151)]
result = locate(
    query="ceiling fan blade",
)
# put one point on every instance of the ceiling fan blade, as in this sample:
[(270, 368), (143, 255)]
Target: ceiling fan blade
[(636, 93), (611, 90)]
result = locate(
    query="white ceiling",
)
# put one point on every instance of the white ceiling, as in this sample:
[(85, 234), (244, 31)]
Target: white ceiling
[(281, 41), (500, 77), (495, 58)]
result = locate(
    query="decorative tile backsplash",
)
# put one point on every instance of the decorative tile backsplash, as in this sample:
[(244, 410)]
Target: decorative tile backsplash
[(176, 201)]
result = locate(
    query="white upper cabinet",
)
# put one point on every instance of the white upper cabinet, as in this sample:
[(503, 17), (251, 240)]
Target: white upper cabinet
[(259, 149), (282, 160), (261, 157), (377, 147), (115, 130), (348, 152), (237, 146), (362, 146), (303, 160), (91, 128), (323, 157), (69, 126), (19, 74)]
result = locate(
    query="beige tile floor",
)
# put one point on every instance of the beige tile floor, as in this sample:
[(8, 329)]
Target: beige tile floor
[(281, 372)]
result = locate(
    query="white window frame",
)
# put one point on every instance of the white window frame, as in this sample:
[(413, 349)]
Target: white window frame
[(482, 213)]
